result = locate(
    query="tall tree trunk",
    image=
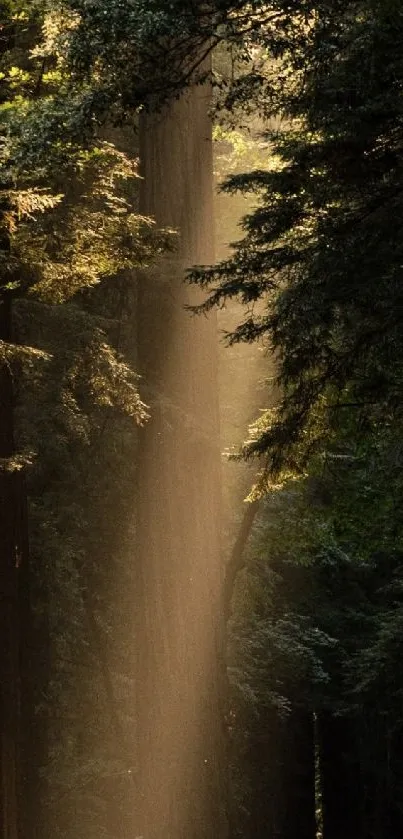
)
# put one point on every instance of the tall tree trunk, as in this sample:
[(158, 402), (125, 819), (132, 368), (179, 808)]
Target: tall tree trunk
[(340, 775), (35, 674), (9, 614), (14, 611), (180, 730), (13, 533), (279, 764), (298, 771)]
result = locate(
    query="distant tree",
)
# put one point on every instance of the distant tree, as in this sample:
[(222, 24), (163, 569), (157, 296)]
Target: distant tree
[(315, 631)]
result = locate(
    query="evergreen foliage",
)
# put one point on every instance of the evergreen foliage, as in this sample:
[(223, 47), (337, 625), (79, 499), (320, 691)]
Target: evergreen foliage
[(71, 237), (316, 632), (319, 267), (315, 640), (315, 636)]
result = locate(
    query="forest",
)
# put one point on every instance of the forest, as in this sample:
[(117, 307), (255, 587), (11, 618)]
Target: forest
[(201, 429)]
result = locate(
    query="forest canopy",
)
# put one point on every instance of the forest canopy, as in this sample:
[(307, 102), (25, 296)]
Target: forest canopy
[(167, 667), (319, 267)]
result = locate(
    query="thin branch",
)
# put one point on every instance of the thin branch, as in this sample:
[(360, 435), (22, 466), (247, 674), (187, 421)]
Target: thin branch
[(236, 561)]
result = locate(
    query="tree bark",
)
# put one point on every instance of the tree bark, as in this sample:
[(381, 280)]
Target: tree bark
[(9, 612), (180, 728), (279, 763), (237, 557), (340, 776), (298, 771)]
